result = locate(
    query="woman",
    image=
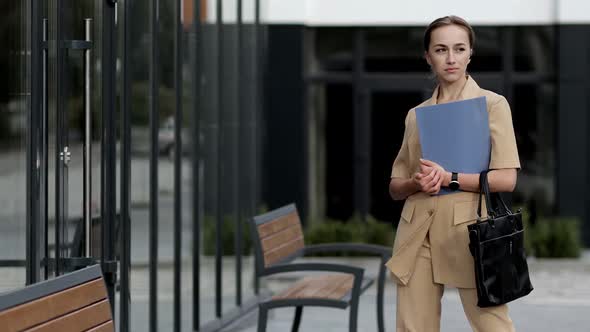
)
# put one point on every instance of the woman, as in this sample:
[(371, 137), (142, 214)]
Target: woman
[(431, 244)]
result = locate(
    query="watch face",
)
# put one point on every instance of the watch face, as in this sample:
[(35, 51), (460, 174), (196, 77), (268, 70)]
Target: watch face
[(454, 185)]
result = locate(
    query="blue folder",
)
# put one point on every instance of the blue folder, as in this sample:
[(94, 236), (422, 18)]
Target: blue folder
[(456, 135)]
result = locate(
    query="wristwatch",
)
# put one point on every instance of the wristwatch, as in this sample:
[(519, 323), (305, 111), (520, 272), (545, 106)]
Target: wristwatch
[(454, 184)]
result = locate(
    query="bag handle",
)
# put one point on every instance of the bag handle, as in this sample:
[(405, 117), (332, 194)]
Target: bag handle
[(484, 190)]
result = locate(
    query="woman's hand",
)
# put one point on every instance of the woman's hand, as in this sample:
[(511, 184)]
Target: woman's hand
[(430, 178)]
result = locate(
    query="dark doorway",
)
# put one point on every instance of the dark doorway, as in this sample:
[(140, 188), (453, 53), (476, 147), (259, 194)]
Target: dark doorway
[(388, 111), (339, 151)]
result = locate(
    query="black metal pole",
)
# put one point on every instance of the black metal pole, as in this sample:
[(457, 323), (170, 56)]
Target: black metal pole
[(154, 125), (44, 180), (237, 185), (361, 132), (220, 110), (109, 141), (507, 61), (195, 161), (35, 72), (59, 169), (125, 218), (177, 166), (257, 109)]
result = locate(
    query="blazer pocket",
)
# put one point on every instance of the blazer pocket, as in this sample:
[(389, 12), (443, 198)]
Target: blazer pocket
[(408, 211), (464, 212)]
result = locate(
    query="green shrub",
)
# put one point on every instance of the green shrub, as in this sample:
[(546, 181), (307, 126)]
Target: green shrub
[(140, 103), (228, 231), (528, 236), (353, 230), (551, 237), (556, 237)]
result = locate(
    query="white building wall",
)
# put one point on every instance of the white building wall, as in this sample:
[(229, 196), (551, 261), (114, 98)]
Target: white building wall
[(573, 11), (421, 12)]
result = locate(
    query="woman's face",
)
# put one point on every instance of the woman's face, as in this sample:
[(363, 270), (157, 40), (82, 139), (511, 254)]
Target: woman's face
[(449, 53)]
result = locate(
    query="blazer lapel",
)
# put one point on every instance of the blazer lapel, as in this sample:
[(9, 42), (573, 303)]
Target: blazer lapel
[(469, 91)]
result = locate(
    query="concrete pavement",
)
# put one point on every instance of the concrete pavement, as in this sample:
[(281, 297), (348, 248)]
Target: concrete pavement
[(560, 302)]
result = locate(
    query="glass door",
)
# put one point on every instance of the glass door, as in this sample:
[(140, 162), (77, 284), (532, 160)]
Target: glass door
[(72, 104), (14, 130)]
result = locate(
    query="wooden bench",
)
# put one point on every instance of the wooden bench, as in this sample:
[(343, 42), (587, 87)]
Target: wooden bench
[(76, 301), (278, 240)]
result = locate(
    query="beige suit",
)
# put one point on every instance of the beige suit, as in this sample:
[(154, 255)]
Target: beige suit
[(431, 244)]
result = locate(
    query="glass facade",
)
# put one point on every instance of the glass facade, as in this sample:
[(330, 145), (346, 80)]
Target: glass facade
[(389, 75)]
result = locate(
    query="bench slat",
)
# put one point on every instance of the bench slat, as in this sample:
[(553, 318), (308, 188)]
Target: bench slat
[(332, 286), (106, 327), (286, 250), (271, 227), (44, 288), (81, 320), (47, 308), (280, 237)]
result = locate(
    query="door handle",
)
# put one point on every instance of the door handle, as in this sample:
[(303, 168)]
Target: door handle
[(65, 156)]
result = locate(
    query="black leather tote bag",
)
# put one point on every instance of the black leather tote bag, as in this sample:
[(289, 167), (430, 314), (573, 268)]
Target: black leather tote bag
[(497, 247)]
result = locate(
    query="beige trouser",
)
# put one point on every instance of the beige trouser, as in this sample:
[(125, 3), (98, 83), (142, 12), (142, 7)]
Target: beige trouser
[(419, 303)]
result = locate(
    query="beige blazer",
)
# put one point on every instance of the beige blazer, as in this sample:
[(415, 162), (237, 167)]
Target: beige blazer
[(440, 222)]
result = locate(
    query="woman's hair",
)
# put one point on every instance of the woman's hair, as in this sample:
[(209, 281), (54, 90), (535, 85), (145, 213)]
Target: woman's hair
[(448, 20)]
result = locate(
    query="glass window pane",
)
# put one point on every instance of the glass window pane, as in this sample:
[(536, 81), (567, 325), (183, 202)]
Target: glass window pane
[(394, 50), (534, 49), (14, 103), (534, 115), (487, 53), (333, 49)]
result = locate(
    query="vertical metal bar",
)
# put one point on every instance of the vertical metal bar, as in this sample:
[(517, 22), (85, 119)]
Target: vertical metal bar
[(508, 72), (220, 110), (241, 103), (555, 126), (34, 85), (44, 158), (177, 166), (154, 125), (109, 180), (125, 218), (508, 61), (196, 162), (361, 131), (87, 167), (59, 168), (258, 104)]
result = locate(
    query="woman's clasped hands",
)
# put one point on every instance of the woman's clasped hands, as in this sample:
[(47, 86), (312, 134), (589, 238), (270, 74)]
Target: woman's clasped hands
[(430, 178)]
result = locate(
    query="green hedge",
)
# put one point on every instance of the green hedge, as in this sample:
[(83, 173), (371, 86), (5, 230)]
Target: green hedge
[(556, 237), (228, 232), (552, 237), (354, 230), (548, 237), (372, 232)]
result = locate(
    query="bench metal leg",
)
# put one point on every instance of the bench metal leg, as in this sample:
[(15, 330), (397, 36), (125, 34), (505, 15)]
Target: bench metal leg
[(380, 323), (353, 315), (262, 318), (297, 319), (380, 291)]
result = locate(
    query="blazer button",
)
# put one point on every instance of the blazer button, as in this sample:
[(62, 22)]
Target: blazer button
[(430, 212)]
